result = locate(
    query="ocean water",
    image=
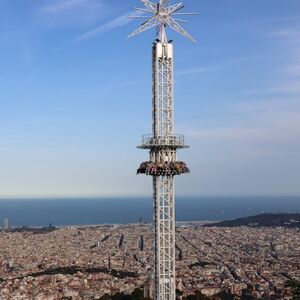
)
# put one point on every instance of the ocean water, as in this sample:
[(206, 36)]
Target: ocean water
[(85, 211)]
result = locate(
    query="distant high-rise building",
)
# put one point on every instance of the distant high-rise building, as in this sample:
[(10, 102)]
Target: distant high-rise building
[(5, 225), (140, 243)]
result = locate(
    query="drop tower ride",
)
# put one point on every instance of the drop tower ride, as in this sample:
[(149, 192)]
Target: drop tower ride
[(163, 143)]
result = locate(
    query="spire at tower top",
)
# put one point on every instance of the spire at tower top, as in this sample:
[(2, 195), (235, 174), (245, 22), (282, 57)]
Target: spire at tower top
[(161, 15)]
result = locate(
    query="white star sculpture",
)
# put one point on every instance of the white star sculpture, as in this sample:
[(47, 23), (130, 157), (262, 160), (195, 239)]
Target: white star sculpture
[(160, 15)]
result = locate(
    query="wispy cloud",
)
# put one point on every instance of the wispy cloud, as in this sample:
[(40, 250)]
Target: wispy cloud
[(54, 7), (293, 70), (271, 125), (194, 71), (225, 64), (229, 133), (263, 105), (285, 18), (286, 87), (61, 13), (113, 24), (286, 33), (133, 83)]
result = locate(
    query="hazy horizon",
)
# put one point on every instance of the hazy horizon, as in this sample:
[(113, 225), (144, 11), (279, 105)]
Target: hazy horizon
[(88, 211), (99, 197)]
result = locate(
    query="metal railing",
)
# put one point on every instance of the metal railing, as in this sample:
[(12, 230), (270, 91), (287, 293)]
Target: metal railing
[(177, 140)]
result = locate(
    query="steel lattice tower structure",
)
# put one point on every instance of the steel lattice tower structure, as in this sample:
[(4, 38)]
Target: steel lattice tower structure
[(163, 142)]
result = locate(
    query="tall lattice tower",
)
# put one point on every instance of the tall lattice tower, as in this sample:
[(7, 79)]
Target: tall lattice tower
[(163, 142)]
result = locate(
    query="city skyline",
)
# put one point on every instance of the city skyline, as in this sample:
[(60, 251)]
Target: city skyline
[(59, 59)]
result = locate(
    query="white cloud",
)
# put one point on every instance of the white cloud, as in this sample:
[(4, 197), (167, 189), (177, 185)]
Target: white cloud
[(194, 71), (226, 64), (293, 70), (110, 25), (55, 7), (286, 87), (114, 23), (286, 18), (259, 124), (61, 13), (257, 153), (286, 33), (133, 83), (233, 133)]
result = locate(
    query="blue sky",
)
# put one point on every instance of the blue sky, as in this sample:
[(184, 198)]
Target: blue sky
[(76, 97)]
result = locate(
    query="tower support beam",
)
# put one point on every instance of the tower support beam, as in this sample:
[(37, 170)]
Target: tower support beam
[(163, 144), (164, 237), (163, 156)]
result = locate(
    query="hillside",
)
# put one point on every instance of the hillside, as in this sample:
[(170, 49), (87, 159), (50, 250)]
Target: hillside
[(263, 220)]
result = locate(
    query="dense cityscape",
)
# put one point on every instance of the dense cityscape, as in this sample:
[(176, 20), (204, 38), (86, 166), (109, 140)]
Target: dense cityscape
[(93, 262)]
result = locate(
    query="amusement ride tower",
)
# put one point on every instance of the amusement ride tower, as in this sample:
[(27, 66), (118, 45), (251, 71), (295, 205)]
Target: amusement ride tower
[(163, 142)]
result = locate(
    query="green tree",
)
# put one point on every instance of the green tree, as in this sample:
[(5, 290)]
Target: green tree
[(295, 286), (198, 296), (137, 294)]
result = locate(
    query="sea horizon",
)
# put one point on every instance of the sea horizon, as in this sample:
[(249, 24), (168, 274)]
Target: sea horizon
[(77, 211)]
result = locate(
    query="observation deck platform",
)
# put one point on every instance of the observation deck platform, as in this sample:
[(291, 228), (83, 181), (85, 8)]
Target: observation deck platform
[(163, 169), (171, 141)]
